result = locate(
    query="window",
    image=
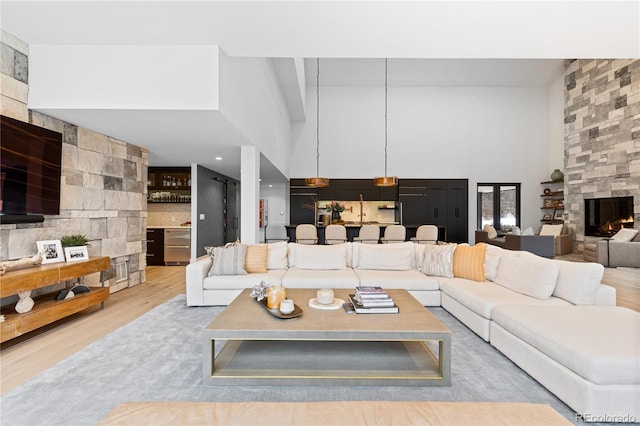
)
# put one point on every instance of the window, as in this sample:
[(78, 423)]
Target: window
[(499, 205)]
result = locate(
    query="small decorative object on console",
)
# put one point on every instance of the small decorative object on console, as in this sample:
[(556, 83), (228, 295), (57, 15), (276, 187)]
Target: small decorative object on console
[(25, 304), (26, 262)]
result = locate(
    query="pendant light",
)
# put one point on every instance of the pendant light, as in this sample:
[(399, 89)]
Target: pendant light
[(386, 180), (317, 182)]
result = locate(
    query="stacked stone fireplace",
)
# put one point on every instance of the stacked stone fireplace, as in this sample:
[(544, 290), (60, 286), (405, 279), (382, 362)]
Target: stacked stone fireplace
[(602, 140)]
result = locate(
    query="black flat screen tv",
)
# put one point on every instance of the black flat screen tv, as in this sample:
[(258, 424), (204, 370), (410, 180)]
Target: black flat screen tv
[(30, 167)]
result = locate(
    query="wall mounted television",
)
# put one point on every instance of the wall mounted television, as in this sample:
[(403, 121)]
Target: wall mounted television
[(30, 168)]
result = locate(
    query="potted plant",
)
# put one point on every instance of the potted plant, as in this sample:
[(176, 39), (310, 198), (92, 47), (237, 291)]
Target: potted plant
[(335, 209), (74, 240)]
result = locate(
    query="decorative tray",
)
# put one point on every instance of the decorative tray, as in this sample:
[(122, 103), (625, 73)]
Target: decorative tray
[(337, 304), (297, 311)]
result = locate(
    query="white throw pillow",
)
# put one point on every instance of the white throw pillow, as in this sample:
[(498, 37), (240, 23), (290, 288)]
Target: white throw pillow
[(553, 230), (438, 260), (528, 231), (328, 257), (516, 230), (277, 256), (491, 263), (578, 282), (530, 275), (625, 235), (491, 230), (387, 257)]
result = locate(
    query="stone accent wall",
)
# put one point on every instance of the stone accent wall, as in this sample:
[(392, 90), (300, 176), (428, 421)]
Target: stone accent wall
[(103, 184), (602, 135)]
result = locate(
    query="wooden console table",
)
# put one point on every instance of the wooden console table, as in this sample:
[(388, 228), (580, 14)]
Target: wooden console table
[(46, 309)]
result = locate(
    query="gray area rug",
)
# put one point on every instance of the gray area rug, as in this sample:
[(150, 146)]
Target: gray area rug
[(158, 357)]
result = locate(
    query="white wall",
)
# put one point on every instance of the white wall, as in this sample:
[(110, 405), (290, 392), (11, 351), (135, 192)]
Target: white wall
[(251, 99), (277, 197), (123, 77), (485, 134)]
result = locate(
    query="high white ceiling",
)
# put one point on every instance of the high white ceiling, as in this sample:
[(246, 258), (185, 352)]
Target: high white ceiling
[(433, 43)]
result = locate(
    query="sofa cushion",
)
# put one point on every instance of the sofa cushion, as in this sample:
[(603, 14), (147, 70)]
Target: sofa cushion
[(320, 257), (408, 280), (418, 250), (277, 255), (578, 282), (229, 260), (481, 298), (599, 343), (386, 257), (530, 275), (310, 278), (438, 260), (468, 262), (255, 262), (625, 235), (237, 282)]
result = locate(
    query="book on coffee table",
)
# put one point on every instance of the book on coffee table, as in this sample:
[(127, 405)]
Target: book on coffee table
[(371, 292), (361, 309), (377, 302)]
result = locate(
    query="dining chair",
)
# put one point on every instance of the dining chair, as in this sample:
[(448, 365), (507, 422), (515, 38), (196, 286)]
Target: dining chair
[(394, 234), (369, 234), (274, 233), (426, 234), (306, 234), (335, 234)]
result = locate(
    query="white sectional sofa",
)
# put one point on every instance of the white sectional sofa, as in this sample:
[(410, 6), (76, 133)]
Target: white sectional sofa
[(552, 318)]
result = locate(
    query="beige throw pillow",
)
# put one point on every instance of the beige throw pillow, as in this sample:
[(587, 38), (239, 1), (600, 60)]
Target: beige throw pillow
[(489, 229), (255, 261)]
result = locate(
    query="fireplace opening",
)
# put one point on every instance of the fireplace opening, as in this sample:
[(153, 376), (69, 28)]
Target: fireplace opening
[(603, 217)]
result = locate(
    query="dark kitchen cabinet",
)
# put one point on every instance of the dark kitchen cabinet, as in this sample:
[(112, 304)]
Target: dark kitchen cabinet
[(458, 210), (437, 212), (412, 195), (303, 200), (169, 185), (155, 246), (440, 202)]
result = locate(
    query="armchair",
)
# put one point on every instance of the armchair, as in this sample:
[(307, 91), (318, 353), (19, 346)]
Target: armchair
[(563, 238)]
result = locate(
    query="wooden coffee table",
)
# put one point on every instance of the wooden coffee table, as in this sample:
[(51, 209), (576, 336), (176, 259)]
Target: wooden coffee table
[(327, 347)]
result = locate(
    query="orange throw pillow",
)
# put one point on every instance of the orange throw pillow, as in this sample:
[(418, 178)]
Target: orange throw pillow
[(468, 262), (256, 260)]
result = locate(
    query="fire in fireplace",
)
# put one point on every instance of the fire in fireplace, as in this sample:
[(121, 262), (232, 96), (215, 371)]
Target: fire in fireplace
[(603, 217)]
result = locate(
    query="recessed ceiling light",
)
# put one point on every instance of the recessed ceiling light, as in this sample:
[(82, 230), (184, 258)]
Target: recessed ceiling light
[(270, 186), (218, 158)]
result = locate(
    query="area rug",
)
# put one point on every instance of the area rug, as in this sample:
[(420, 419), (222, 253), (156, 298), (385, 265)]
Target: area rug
[(158, 357)]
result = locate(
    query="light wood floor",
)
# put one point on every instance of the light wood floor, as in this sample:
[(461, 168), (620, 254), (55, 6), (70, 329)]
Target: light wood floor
[(26, 356)]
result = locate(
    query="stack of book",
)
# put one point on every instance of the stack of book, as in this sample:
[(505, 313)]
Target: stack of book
[(372, 300)]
